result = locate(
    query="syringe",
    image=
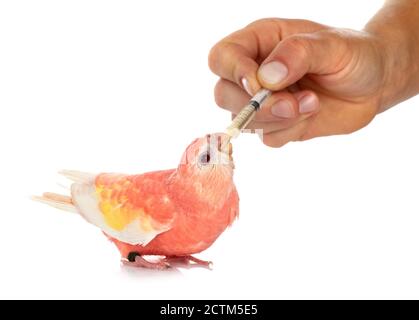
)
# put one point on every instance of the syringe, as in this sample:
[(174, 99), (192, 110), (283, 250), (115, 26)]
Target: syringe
[(247, 113)]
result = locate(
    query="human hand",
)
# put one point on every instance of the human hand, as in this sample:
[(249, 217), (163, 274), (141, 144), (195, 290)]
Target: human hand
[(325, 80)]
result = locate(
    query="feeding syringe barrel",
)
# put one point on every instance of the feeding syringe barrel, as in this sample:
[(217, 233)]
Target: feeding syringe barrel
[(247, 113)]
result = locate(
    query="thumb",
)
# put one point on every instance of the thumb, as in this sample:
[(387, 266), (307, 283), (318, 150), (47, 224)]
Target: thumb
[(321, 53)]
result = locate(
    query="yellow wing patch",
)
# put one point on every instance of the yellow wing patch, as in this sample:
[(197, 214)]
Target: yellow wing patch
[(122, 202), (114, 204)]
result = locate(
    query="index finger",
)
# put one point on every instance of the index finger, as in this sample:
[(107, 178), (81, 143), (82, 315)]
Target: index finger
[(235, 57)]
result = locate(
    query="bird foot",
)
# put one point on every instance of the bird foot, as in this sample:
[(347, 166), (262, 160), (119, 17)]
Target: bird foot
[(185, 261), (135, 260)]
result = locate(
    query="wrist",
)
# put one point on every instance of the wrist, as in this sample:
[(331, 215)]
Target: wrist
[(397, 40), (396, 64)]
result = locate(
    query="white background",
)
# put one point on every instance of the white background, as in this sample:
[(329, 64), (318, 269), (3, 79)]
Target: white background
[(124, 86)]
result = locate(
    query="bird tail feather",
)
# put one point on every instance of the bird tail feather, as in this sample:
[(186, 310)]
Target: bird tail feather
[(57, 201), (61, 201), (77, 176)]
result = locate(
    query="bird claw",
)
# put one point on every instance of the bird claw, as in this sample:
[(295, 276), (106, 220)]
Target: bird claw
[(140, 262), (185, 261), (136, 260)]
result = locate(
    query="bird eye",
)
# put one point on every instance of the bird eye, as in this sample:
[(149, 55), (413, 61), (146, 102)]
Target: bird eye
[(205, 158)]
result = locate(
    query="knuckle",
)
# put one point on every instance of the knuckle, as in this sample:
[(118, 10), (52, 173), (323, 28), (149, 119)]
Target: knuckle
[(340, 34), (264, 21), (219, 95), (298, 45), (214, 56), (272, 140), (223, 51), (342, 38)]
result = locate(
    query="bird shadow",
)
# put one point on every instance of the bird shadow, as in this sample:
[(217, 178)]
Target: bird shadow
[(173, 271), (136, 272)]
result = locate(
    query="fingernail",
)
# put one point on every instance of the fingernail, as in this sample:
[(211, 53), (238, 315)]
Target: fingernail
[(283, 109), (273, 72), (308, 103), (246, 86)]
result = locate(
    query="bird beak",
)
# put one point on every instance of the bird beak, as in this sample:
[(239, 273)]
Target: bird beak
[(225, 146)]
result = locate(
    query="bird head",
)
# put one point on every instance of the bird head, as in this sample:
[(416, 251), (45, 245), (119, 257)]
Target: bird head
[(209, 155), (207, 165)]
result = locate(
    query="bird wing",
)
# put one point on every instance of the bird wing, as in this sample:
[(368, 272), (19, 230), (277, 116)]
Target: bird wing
[(132, 209)]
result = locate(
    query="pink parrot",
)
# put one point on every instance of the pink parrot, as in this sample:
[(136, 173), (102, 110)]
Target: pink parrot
[(171, 213)]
